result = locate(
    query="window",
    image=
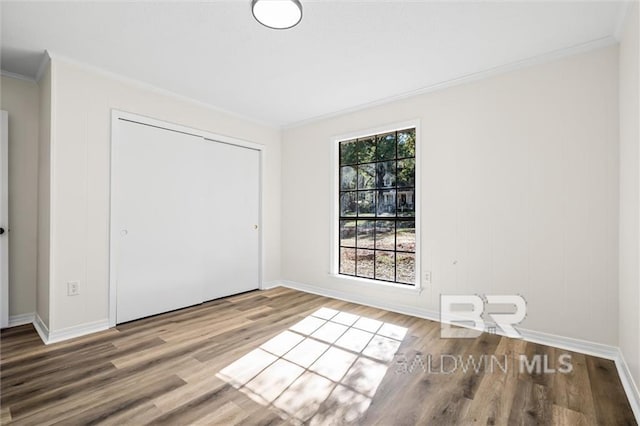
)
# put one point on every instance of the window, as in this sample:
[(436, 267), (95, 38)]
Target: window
[(377, 226)]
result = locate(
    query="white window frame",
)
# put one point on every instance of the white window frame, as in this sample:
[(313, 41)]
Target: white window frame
[(335, 204)]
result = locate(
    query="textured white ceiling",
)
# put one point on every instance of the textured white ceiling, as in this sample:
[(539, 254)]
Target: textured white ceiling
[(343, 54)]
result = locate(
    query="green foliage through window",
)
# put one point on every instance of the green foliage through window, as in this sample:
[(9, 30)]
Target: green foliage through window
[(377, 207)]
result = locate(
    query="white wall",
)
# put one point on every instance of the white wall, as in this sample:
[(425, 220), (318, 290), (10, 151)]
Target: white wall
[(630, 194), (45, 141), (21, 99), (81, 168), (519, 186)]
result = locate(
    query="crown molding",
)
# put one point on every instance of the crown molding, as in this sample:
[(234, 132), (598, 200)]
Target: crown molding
[(150, 87), (17, 76), (625, 8), (468, 78), (46, 58), (490, 72)]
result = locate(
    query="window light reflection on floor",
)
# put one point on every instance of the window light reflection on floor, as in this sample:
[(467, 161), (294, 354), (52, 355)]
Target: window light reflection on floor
[(326, 368)]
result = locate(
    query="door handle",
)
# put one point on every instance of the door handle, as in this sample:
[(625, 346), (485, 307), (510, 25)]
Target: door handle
[(255, 226), (1, 231)]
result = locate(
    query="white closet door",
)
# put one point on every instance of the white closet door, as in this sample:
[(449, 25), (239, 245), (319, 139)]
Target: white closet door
[(233, 187), (159, 203)]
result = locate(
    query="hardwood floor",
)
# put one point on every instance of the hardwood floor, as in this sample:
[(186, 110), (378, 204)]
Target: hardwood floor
[(283, 356)]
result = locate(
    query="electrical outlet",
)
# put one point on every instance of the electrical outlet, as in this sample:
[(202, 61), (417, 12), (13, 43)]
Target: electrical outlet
[(427, 277), (73, 288)]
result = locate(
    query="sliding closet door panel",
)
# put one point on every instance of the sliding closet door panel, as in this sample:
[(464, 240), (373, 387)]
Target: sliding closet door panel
[(159, 211), (233, 188)]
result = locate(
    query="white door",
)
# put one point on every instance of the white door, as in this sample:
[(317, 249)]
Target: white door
[(157, 223), (233, 188), (185, 218), (4, 219)]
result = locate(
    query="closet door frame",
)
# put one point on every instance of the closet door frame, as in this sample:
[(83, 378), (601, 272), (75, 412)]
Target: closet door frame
[(116, 117)]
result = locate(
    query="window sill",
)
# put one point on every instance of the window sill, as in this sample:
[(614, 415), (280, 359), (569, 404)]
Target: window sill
[(415, 288)]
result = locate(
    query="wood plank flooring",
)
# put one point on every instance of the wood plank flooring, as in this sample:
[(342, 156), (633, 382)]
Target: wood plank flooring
[(287, 357)]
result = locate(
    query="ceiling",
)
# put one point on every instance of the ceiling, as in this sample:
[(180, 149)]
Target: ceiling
[(343, 55)]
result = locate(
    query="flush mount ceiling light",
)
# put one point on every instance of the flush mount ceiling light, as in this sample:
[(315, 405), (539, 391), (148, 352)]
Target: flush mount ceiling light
[(277, 14)]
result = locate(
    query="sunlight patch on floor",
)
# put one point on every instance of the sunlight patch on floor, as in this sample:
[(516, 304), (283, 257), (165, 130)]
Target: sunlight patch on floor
[(323, 369)]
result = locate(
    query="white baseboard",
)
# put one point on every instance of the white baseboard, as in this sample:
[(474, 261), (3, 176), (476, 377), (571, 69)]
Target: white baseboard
[(77, 331), (49, 337), (576, 345), (570, 344), (41, 328), (22, 319), (363, 300), (630, 386), (567, 343), (268, 285)]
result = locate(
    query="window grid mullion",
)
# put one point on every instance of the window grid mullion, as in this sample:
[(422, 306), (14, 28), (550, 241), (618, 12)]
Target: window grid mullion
[(375, 219), (395, 227), (384, 250), (355, 261)]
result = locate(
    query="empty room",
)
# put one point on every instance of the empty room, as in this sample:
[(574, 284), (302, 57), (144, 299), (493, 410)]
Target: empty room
[(319, 212)]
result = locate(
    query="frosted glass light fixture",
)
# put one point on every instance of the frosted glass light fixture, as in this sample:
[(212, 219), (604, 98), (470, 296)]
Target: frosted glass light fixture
[(277, 14)]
